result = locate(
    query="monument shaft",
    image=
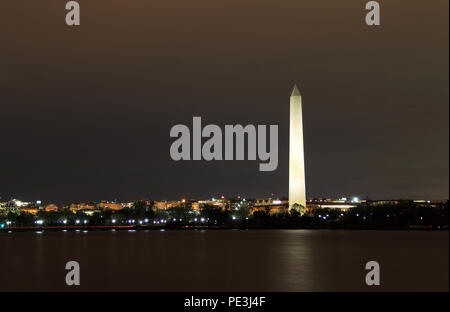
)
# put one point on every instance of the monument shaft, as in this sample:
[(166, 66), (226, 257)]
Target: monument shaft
[(297, 192)]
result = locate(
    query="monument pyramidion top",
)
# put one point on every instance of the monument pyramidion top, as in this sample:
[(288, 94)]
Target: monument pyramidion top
[(295, 91)]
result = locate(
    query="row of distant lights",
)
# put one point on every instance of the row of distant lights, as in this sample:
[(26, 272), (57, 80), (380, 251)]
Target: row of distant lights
[(131, 221), (113, 221), (163, 221), (364, 218), (40, 222)]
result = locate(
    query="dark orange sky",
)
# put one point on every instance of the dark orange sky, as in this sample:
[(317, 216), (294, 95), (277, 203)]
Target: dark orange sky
[(86, 112)]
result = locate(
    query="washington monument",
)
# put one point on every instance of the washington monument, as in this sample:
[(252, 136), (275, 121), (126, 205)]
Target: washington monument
[(297, 192)]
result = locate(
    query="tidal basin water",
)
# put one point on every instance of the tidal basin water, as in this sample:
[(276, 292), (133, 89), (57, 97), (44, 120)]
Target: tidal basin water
[(225, 260)]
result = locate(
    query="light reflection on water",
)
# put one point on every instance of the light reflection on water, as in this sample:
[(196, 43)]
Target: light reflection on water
[(225, 260)]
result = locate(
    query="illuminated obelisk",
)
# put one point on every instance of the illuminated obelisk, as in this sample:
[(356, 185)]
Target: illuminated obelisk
[(297, 192)]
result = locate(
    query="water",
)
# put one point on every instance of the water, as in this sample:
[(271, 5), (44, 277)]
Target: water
[(225, 260)]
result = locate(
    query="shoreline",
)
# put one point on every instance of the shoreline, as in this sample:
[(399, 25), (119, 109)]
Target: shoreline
[(194, 228)]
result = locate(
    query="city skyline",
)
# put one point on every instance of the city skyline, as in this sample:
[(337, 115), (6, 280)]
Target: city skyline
[(349, 198), (227, 154), (82, 119)]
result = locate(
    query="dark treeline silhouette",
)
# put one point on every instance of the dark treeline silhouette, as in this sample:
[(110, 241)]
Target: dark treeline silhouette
[(406, 214)]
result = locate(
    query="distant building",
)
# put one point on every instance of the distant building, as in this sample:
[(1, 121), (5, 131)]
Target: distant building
[(75, 207), (32, 210), (164, 204), (51, 207), (17, 206), (384, 202), (430, 203), (221, 203), (343, 203), (270, 205), (417, 202), (113, 205)]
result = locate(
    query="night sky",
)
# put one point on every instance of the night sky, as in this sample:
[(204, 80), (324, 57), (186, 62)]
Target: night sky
[(85, 113)]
